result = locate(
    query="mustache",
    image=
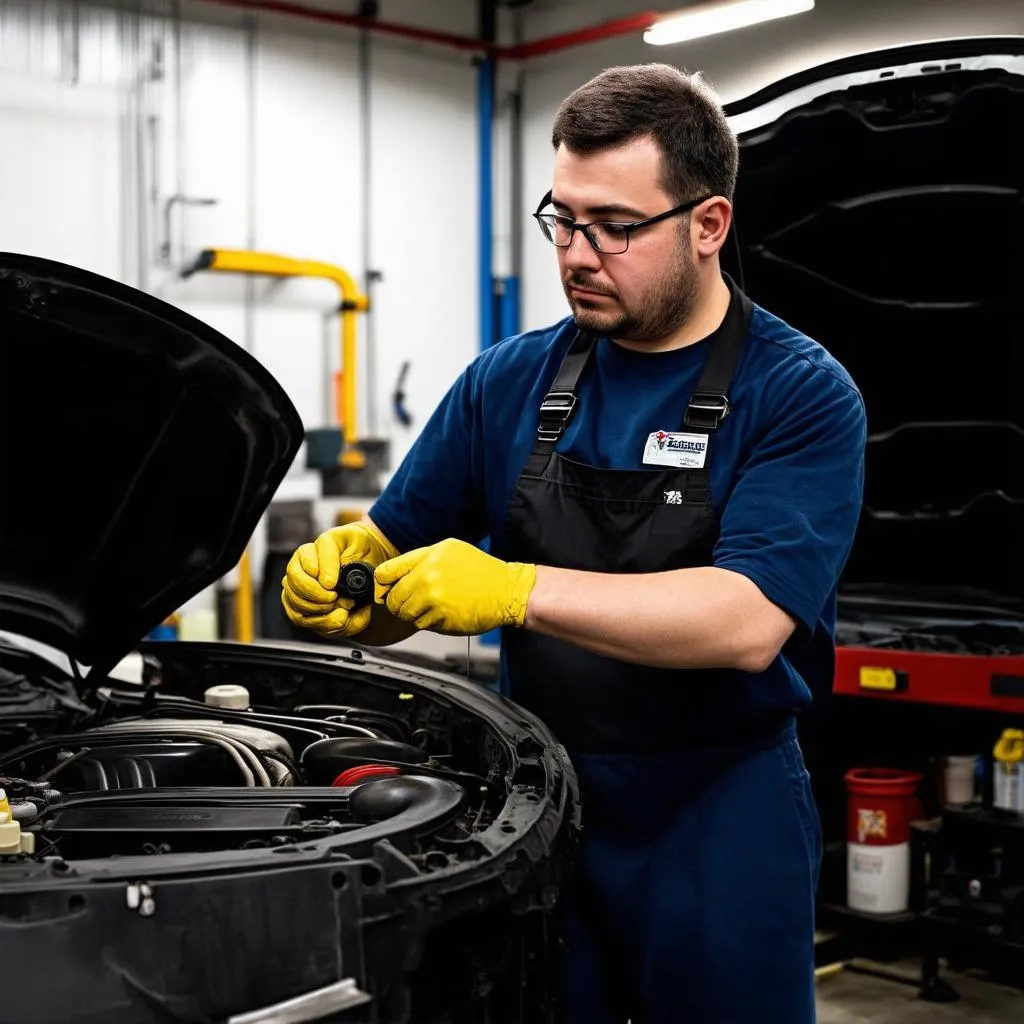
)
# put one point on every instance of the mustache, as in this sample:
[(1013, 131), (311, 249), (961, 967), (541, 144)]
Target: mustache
[(576, 281)]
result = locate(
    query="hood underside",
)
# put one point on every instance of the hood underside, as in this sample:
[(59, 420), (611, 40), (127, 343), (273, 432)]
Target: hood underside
[(880, 209), (140, 447)]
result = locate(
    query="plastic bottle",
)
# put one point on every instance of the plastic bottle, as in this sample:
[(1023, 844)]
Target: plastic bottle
[(1008, 771)]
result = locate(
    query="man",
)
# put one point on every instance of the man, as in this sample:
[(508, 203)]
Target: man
[(671, 480)]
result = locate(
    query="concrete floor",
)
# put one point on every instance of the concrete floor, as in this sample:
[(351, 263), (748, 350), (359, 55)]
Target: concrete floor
[(849, 998)]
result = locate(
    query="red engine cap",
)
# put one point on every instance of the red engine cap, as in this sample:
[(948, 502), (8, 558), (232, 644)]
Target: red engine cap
[(362, 772)]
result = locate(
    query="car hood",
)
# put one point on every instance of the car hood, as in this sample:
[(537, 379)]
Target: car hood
[(139, 449), (879, 209)]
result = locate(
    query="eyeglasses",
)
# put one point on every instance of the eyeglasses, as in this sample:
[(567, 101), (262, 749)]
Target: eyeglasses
[(606, 237)]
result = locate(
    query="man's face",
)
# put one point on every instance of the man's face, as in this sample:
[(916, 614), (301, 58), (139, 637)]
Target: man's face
[(647, 292)]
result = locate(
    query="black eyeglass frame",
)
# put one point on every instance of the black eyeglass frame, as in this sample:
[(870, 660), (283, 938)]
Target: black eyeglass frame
[(628, 226)]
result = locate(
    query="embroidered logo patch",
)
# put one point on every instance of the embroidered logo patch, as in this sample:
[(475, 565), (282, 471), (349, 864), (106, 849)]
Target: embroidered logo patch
[(682, 451), (673, 497)]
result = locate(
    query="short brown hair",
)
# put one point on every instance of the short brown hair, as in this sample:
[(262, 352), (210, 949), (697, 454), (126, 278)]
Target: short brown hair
[(678, 110)]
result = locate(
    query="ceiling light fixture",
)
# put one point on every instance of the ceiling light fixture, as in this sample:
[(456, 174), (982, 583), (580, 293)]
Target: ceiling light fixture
[(711, 19)]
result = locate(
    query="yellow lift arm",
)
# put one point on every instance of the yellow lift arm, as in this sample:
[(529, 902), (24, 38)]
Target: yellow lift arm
[(246, 261)]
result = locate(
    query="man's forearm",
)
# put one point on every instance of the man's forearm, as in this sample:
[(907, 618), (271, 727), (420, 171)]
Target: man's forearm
[(689, 618)]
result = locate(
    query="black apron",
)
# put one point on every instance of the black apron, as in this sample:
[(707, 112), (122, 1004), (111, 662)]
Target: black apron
[(574, 516), (674, 779)]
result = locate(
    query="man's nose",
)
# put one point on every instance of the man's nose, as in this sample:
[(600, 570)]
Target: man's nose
[(580, 254)]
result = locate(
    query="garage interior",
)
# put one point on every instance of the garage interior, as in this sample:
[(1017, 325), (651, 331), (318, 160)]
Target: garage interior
[(343, 189)]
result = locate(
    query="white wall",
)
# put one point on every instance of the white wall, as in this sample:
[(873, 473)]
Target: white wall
[(97, 135), (309, 201), (96, 138), (304, 198), (424, 227), (82, 223), (737, 64)]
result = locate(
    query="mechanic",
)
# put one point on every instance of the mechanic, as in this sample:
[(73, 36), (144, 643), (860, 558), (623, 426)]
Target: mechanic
[(670, 480)]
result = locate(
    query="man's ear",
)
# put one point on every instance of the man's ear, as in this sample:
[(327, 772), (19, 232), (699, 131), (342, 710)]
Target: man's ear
[(709, 225)]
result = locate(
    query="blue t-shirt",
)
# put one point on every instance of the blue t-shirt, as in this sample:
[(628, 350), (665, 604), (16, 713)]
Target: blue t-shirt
[(786, 475)]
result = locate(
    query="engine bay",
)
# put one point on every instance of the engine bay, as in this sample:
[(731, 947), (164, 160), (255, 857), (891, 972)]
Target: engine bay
[(155, 770), (375, 827)]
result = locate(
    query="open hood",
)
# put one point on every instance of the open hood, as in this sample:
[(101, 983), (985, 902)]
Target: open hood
[(138, 450), (880, 209)]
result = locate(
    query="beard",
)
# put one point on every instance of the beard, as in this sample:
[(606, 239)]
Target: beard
[(663, 307)]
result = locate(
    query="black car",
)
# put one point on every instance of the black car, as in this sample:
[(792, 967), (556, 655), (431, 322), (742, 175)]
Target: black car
[(255, 833), (878, 209)]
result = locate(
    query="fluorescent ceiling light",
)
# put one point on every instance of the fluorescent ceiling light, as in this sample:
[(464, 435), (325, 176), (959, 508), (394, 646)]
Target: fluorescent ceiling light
[(710, 19)]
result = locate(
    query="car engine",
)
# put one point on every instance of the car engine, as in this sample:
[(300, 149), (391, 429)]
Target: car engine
[(341, 803), (171, 774)]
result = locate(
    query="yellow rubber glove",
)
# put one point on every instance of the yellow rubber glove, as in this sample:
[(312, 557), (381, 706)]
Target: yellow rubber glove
[(455, 588), (308, 587)]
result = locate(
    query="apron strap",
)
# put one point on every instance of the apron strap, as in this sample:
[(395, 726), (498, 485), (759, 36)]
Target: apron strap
[(559, 405), (709, 403)]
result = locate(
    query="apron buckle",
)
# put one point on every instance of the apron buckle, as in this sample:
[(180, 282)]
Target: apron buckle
[(555, 413), (706, 411)]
